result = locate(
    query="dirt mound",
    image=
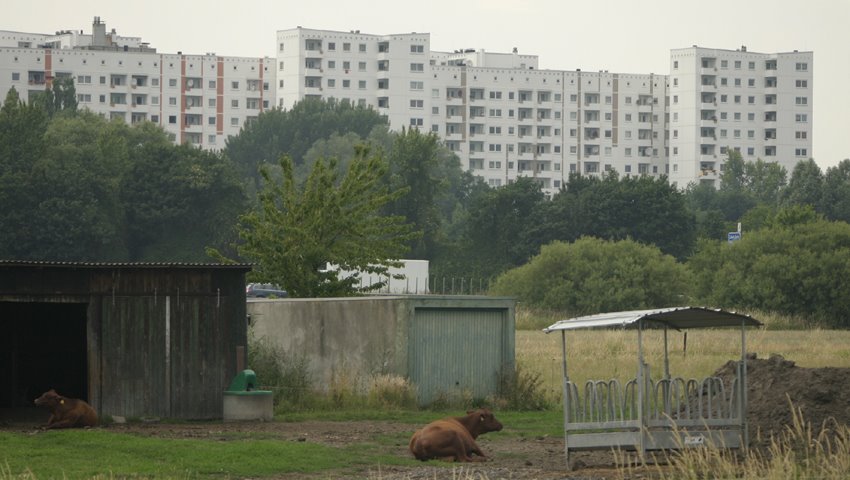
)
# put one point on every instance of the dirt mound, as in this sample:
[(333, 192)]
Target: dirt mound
[(821, 394)]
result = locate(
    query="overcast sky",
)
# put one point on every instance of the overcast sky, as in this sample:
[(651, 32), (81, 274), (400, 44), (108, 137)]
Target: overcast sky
[(623, 36)]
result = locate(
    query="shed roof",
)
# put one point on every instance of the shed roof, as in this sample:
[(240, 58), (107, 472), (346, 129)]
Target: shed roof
[(673, 317), (57, 264)]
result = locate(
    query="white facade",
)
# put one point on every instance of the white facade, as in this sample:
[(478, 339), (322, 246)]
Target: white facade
[(197, 99), (503, 116), (757, 104)]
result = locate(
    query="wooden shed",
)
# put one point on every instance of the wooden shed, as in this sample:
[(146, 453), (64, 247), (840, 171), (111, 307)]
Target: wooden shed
[(133, 339)]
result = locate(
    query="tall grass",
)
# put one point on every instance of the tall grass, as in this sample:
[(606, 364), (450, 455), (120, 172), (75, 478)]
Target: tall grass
[(799, 452)]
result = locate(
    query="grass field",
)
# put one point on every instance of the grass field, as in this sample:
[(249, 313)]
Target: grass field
[(604, 354)]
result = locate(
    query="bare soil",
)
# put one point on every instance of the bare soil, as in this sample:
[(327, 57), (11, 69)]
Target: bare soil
[(821, 394)]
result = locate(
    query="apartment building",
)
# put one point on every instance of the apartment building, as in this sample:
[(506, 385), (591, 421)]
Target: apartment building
[(197, 99), (499, 112), (758, 104), (503, 116)]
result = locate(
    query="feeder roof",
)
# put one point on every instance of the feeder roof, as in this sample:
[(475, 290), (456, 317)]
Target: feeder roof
[(674, 317)]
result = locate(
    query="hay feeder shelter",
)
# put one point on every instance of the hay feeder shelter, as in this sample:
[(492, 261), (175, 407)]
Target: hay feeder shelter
[(646, 413)]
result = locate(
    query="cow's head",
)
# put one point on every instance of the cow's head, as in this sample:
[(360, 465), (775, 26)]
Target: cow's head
[(485, 421), (49, 399)]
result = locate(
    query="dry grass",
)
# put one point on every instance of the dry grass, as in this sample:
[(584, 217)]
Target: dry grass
[(603, 354)]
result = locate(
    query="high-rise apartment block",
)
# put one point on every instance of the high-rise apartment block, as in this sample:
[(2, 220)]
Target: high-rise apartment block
[(502, 115), (197, 99)]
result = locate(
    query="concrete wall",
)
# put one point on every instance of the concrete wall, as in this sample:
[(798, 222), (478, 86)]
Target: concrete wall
[(339, 336)]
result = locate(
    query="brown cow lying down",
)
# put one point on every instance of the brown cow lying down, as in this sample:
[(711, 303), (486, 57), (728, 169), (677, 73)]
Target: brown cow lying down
[(453, 438), (66, 412)]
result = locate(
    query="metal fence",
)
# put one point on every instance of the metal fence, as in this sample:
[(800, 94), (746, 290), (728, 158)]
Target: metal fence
[(433, 285)]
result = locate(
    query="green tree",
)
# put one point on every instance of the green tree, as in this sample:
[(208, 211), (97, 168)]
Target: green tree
[(806, 185), (178, 200), (594, 276), (297, 231), (646, 209), (799, 265), (293, 132), (415, 163), (494, 236), (836, 192)]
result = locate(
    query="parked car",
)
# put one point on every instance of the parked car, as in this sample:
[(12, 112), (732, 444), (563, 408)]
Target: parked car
[(265, 290)]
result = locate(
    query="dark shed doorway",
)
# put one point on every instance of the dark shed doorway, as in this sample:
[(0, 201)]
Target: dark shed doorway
[(43, 346)]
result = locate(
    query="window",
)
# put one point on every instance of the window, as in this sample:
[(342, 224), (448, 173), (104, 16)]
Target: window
[(800, 152), (346, 47), (608, 116), (211, 102), (103, 81), (362, 47), (574, 115), (801, 118), (802, 83), (495, 130), (751, 151), (234, 103), (573, 98), (417, 67), (722, 133), (675, 82), (172, 100), (495, 112), (416, 122), (751, 100), (234, 121), (417, 49), (737, 133), (361, 66), (608, 99), (417, 104), (417, 85), (724, 64), (628, 100), (751, 117), (628, 117), (723, 81), (155, 100), (751, 134), (495, 95), (172, 82), (801, 100), (723, 99), (737, 64), (346, 66), (495, 147), (234, 85), (675, 64), (557, 97), (752, 65), (331, 82), (737, 82), (211, 120), (361, 84), (723, 115), (675, 99), (737, 99), (738, 116), (346, 84), (801, 135), (172, 119), (802, 67), (331, 45)]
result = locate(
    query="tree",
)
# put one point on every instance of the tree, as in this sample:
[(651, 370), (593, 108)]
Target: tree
[(178, 200), (798, 265), (293, 132), (836, 192), (494, 236), (645, 209), (296, 232), (806, 185), (415, 163), (594, 276)]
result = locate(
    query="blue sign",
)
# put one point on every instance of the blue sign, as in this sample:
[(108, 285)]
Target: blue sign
[(733, 236)]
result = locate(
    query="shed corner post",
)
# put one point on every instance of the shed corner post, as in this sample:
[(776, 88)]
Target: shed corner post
[(742, 384), (641, 380), (566, 393)]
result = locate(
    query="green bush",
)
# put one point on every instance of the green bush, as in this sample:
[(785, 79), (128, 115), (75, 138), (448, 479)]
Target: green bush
[(593, 276), (286, 375)]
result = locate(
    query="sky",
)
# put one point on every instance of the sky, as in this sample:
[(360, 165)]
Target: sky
[(622, 36)]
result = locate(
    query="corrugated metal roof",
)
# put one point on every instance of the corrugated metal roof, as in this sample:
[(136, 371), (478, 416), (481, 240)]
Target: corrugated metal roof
[(674, 317), (48, 263)]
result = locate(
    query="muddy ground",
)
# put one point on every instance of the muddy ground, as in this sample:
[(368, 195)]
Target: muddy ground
[(821, 394)]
